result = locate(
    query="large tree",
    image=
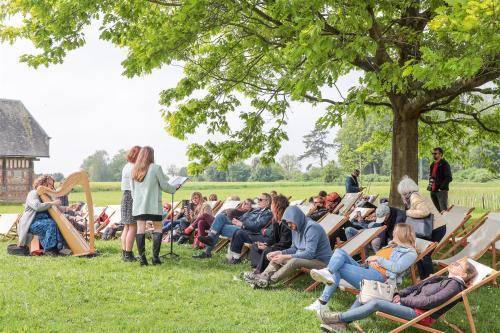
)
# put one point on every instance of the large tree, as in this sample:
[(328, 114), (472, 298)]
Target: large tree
[(426, 60), (317, 145)]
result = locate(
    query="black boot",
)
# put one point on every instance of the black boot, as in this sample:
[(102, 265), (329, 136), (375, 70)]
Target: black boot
[(129, 256), (156, 247), (141, 248)]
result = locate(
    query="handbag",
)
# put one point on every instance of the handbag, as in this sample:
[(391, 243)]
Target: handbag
[(423, 227), (376, 290)]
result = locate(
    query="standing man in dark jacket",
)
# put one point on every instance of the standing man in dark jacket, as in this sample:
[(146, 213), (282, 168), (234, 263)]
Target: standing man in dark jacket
[(352, 184), (439, 180)]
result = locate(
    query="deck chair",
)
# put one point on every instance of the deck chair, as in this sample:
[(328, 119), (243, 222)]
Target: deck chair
[(215, 205), (332, 222), (364, 212), (8, 223), (114, 218), (475, 244), (455, 222), (461, 210), (307, 208), (228, 204), (424, 247), (347, 202), (353, 246), (297, 202), (485, 275)]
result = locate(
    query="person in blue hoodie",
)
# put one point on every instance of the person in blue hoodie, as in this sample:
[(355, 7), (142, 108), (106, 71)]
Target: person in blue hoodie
[(310, 249), (387, 265)]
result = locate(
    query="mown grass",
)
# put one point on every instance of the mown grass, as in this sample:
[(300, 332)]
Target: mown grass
[(466, 194), (42, 294)]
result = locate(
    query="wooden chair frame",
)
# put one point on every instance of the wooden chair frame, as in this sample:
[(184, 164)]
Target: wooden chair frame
[(463, 295), (11, 233), (451, 238)]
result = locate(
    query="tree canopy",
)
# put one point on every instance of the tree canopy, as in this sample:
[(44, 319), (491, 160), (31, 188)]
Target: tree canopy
[(426, 61)]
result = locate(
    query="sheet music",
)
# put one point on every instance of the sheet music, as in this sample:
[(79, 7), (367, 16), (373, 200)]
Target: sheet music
[(177, 181)]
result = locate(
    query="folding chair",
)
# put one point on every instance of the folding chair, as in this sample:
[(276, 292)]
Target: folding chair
[(114, 218), (307, 208), (455, 222), (8, 223), (365, 212), (461, 210), (347, 202), (477, 243), (228, 204), (352, 246), (297, 202), (332, 222), (485, 275), (215, 205), (424, 247)]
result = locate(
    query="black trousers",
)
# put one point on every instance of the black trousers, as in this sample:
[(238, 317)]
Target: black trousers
[(425, 267), (440, 200), (258, 258), (240, 237)]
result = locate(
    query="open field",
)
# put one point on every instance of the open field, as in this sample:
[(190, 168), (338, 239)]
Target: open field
[(482, 196), (41, 294)]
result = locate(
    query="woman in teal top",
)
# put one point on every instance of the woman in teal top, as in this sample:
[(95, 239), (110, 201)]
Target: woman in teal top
[(148, 182)]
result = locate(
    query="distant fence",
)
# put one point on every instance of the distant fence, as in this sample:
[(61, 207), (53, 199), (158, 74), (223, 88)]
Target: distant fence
[(488, 201)]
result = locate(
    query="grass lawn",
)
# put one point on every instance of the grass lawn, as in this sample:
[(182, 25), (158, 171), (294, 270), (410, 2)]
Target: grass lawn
[(464, 194), (41, 294)]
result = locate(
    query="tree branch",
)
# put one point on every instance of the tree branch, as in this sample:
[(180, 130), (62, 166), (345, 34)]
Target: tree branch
[(327, 100), (171, 3)]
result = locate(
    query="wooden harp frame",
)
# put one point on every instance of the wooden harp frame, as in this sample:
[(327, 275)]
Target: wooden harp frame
[(75, 241)]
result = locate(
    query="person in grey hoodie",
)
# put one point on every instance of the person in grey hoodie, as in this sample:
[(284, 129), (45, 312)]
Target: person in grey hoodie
[(310, 249)]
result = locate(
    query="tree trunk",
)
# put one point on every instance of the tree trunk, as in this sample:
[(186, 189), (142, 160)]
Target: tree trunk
[(404, 152)]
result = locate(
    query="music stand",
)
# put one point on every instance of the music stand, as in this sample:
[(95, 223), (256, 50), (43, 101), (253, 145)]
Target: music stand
[(171, 254)]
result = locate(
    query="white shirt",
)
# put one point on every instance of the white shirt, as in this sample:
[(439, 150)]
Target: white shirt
[(127, 177)]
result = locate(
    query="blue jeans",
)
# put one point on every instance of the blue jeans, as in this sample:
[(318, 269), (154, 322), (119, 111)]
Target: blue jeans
[(44, 227), (342, 266), (223, 226), (359, 311)]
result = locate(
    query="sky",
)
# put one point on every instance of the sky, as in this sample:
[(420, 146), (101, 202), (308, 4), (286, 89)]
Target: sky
[(85, 105)]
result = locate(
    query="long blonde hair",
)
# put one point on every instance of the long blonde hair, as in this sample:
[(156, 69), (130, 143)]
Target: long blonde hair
[(404, 235), (145, 158)]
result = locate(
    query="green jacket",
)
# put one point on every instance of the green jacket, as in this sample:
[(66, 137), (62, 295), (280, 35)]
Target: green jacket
[(147, 194)]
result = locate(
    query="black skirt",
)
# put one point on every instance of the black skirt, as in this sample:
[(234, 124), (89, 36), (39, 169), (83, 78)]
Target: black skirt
[(148, 217)]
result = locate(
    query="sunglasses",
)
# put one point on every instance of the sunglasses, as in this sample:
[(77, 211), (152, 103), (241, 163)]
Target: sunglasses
[(261, 199)]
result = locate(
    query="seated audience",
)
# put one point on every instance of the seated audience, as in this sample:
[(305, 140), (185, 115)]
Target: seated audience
[(273, 194), (188, 214), (236, 213), (233, 198), (310, 248), (319, 209), (201, 225), (252, 221), (37, 221), (385, 215), (212, 197), (386, 265), (280, 239), (332, 200), (410, 302), (267, 235), (418, 207), (322, 194)]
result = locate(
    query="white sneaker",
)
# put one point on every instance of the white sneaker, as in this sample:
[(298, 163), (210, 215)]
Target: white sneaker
[(316, 306), (323, 276)]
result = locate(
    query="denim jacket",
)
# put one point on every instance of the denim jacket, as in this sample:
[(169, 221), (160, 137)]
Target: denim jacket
[(400, 260)]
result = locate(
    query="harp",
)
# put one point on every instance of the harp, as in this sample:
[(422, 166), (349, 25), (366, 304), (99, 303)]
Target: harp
[(75, 241)]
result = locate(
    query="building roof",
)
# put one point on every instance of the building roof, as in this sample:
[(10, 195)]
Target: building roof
[(20, 133)]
